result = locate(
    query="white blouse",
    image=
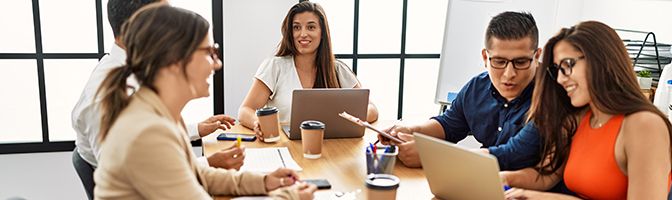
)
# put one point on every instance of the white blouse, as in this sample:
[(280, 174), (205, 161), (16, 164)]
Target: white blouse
[(280, 76)]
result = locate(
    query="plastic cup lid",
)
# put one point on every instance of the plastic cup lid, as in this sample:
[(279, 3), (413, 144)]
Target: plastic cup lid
[(312, 125), (266, 111), (382, 181)]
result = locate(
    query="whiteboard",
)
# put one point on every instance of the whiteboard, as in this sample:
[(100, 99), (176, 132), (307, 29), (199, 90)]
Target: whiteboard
[(464, 36)]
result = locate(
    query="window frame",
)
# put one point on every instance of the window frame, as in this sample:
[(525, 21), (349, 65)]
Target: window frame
[(51, 146), (402, 56)]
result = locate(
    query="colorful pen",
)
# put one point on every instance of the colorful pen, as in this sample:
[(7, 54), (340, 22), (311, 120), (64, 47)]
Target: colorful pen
[(238, 140)]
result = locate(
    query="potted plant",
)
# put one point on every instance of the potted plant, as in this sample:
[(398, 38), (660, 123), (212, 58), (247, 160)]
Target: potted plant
[(644, 79)]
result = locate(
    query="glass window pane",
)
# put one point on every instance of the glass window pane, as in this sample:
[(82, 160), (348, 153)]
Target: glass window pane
[(21, 115), (64, 82), (340, 16), (198, 110), (420, 77), (69, 26), (380, 26), (108, 35), (18, 35), (381, 76), (424, 27)]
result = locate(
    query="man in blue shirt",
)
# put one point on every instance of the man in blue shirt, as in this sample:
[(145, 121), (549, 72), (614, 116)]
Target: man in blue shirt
[(492, 106)]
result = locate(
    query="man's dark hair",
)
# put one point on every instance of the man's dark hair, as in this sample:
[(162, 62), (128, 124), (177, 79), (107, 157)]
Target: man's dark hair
[(512, 26), (118, 11)]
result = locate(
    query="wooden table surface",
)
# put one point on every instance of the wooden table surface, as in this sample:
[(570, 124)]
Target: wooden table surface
[(343, 163)]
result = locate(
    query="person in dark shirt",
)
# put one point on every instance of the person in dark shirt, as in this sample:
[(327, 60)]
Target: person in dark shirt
[(493, 105)]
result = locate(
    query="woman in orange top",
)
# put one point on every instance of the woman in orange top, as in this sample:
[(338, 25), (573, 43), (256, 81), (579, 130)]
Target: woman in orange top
[(601, 135)]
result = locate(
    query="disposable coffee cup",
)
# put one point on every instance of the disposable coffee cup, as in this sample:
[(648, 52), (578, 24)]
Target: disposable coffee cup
[(381, 186), (268, 122), (312, 133)]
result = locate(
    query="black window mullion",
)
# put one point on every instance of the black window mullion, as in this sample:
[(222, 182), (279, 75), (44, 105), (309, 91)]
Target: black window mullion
[(40, 70), (218, 32), (99, 28), (402, 60), (355, 37)]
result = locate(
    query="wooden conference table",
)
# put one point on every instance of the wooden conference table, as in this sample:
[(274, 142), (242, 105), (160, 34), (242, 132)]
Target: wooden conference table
[(343, 163)]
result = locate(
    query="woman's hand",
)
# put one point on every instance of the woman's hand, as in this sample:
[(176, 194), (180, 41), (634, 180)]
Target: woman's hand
[(257, 131), (306, 191), (281, 177)]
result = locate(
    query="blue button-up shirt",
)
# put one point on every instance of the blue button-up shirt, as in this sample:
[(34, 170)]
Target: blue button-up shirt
[(481, 111)]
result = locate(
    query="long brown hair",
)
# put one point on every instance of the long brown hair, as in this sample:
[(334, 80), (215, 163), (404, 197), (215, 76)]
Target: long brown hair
[(155, 37), (325, 61), (609, 74)]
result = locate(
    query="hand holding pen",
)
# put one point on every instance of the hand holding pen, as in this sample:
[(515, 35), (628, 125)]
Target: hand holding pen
[(281, 177)]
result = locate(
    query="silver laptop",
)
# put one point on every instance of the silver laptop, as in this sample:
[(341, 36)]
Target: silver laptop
[(324, 105), (454, 172)]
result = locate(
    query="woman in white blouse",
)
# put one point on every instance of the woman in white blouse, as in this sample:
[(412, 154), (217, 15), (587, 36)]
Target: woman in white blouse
[(304, 60)]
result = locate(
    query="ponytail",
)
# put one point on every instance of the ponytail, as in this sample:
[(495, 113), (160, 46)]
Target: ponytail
[(113, 96)]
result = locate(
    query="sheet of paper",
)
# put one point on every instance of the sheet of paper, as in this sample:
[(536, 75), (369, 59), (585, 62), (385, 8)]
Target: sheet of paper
[(266, 160)]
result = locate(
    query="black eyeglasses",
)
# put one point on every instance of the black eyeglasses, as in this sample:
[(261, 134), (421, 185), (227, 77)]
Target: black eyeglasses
[(212, 50), (565, 67), (518, 63)]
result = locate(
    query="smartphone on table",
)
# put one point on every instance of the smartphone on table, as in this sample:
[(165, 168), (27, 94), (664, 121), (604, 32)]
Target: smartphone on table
[(234, 136), (320, 183)]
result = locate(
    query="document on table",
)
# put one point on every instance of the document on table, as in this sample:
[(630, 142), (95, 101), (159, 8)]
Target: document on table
[(266, 160)]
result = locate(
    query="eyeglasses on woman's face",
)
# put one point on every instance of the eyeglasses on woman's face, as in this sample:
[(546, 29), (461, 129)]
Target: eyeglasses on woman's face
[(565, 66), (212, 50)]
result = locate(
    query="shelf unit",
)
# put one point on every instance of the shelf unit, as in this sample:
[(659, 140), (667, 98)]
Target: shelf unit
[(646, 54)]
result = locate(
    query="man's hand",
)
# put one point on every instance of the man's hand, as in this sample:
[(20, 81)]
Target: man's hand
[(408, 153), (394, 130), (213, 123), (231, 158), (281, 177)]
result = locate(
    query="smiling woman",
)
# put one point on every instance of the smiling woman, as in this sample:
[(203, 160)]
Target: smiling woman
[(304, 60), (596, 125)]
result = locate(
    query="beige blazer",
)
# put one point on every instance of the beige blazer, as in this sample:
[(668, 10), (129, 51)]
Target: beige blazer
[(147, 155)]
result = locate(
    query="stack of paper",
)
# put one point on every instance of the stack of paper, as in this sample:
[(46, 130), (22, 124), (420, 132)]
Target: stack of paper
[(266, 160)]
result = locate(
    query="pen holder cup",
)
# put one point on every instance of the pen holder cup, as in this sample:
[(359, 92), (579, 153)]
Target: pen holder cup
[(383, 161)]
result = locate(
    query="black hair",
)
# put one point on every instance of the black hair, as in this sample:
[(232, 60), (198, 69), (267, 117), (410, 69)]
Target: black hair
[(512, 26)]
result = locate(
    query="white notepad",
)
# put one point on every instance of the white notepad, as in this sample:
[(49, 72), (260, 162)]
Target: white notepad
[(266, 160)]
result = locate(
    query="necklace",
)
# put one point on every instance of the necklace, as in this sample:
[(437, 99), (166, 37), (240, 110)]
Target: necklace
[(596, 122)]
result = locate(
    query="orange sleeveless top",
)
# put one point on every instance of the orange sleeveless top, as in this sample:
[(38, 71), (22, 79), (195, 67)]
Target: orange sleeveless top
[(591, 170)]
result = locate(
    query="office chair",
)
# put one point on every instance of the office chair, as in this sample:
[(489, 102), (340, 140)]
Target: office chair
[(85, 173)]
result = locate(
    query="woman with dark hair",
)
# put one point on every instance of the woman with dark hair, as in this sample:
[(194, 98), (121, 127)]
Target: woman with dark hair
[(600, 134), (304, 60), (146, 153)]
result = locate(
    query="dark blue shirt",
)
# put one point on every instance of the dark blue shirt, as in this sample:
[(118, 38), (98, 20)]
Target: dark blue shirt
[(481, 111)]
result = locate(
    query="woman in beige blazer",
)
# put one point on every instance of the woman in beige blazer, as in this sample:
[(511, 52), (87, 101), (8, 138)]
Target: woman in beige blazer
[(145, 151)]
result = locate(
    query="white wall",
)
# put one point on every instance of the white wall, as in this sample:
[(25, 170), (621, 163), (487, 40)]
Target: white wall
[(643, 15), (251, 34), (39, 176)]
